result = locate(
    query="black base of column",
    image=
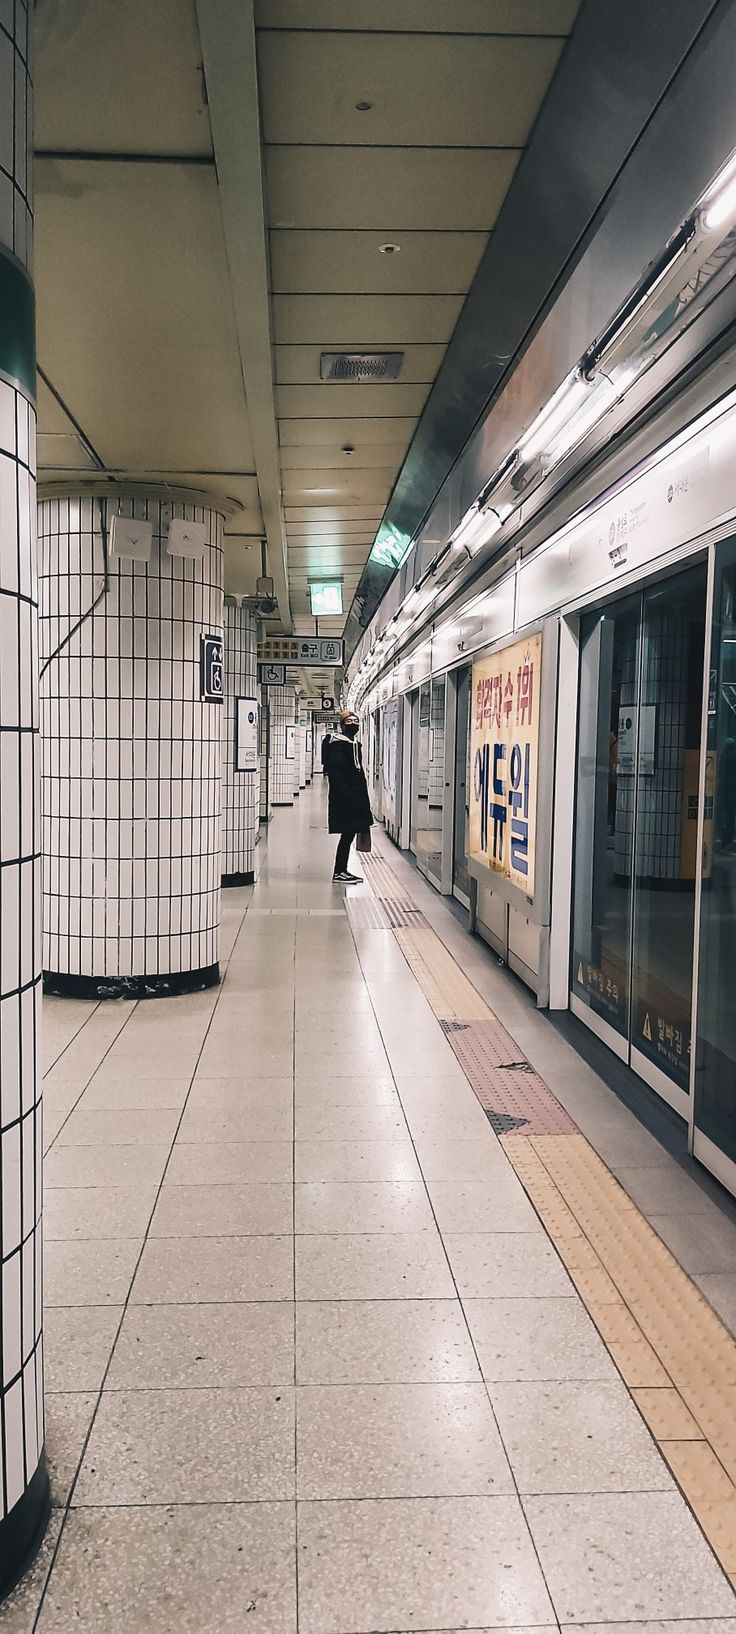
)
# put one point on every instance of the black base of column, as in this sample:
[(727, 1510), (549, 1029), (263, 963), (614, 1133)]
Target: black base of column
[(248, 878), (21, 1533), (130, 987)]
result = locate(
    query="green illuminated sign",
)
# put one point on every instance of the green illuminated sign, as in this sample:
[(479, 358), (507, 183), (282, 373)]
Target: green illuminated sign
[(326, 599)]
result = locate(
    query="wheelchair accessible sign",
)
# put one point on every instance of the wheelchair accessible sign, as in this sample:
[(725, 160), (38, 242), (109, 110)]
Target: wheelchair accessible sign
[(211, 689)]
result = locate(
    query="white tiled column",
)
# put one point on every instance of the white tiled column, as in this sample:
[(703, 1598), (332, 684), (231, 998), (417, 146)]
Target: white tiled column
[(310, 750), (264, 800), (240, 790), (131, 755), (283, 715), (302, 734), (24, 1491)]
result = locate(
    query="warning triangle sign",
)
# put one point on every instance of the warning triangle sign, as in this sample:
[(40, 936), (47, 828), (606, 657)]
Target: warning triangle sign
[(580, 974), (646, 1029)]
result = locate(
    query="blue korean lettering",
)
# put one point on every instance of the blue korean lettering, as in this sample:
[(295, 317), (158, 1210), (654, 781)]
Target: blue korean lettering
[(519, 803)]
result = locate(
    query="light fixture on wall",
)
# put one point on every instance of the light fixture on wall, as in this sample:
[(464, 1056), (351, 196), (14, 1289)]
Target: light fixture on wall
[(131, 538)]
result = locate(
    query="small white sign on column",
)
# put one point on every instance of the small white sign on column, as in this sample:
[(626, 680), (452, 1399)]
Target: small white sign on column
[(246, 734)]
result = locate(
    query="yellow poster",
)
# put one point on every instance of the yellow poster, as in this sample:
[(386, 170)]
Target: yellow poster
[(504, 746)]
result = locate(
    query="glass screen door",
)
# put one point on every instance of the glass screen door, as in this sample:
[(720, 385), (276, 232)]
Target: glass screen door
[(641, 675), (714, 1111)]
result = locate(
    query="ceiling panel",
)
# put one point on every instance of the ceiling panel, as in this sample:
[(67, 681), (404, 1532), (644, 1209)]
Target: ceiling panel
[(242, 568), (321, 433), (332, 513), (122, 78), (335, 459), (352, 487), (388, 188), (302, 533), (61, 451), (357, 320), (300, 365), (304, 263), (311, 83), (49, 410), (295, 402), (148, 366), (313, 550), (434, 16)]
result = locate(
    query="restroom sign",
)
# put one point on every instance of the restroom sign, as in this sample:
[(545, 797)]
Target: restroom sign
[(211, 688), (504, 747)]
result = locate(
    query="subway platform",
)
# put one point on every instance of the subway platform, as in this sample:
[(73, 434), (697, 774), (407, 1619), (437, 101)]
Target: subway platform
[(369, 1307)]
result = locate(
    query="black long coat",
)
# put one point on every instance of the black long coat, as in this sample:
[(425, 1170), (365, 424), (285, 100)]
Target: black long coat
[(348, 806)]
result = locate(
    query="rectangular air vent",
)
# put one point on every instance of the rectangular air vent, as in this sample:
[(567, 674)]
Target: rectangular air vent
[(360, 365)]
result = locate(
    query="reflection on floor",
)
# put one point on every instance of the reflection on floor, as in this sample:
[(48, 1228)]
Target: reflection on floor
[(313, 1359)]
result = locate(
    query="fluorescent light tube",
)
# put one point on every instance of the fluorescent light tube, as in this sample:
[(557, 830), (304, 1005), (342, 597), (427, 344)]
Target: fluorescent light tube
[(718, 205), (566, 401)]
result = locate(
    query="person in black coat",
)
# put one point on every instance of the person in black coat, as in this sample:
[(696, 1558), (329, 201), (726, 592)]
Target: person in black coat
[(323, 752), (348, 808)]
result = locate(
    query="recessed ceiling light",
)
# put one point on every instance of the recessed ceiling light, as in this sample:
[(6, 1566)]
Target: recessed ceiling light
[(389, 249), (364, 107)]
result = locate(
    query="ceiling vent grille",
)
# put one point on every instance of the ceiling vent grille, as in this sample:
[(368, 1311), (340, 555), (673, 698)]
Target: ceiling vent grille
[(360, 366)]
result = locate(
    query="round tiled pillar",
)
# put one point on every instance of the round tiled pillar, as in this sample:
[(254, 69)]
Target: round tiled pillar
[(240, 787), (24, 1487), (131, 750)]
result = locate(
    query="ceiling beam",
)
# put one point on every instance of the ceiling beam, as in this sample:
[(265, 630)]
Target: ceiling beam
[(227, 32)]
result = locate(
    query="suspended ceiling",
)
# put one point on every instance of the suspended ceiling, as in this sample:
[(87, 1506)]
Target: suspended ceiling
[(210, 210)]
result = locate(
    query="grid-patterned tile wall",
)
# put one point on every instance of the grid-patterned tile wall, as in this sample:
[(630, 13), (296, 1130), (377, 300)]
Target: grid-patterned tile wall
[(131, 753), (283, 714), (265, 750), (240, 790), (16, 218), (23, 1482)]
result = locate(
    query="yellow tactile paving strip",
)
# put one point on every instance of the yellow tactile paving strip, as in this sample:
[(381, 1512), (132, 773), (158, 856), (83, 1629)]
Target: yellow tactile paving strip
[(448, 991), (673, 1352)]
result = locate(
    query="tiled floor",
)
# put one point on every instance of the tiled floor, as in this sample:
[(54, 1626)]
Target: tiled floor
[(314, 1365)]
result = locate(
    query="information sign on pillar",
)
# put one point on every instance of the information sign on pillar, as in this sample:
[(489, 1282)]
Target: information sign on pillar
[(211, 682), (246, 735)]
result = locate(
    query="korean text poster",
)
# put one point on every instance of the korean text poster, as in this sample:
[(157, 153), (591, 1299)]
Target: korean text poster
[(504, 750)]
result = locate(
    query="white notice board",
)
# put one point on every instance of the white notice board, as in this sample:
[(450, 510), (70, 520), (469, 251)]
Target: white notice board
[(246, 734)]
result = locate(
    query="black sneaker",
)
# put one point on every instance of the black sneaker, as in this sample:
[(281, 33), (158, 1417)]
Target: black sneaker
[(347, 879)]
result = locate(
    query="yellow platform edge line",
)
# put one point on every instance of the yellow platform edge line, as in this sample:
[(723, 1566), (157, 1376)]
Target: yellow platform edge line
[(627, 1279), (697, 1441)]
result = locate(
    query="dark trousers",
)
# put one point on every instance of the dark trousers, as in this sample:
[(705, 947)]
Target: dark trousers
[(343, 851)]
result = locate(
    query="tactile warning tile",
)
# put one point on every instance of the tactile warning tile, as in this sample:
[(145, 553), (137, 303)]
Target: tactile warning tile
[(448, 991), (392, 907), (378, 913), (508, 1089), (384, 882), (672, 1350)]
